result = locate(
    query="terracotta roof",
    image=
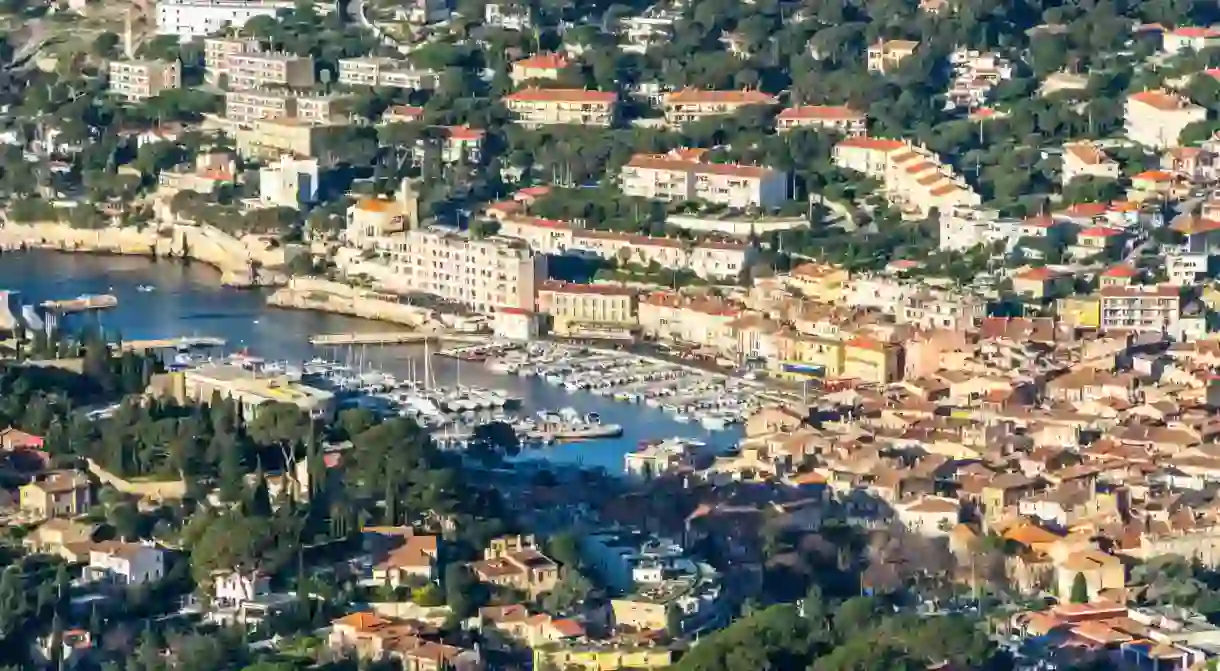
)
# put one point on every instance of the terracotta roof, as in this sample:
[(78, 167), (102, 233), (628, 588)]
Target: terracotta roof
[(463, 132), (1160, 100), (1195, 225), (1120, 270), (557, 286), (819, 112), (1040, 274), (667, 162), (548, 61), (1099, 232), (1086, 152), (538, 222), (1192, 32), (1161, 291), (534, 94), (1154, 176), (376, 205), (360, 621), (946, 189), (697, 96)]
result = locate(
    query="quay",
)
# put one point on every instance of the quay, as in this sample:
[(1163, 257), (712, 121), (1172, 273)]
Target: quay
[(172, 343), (390, 338), (81, 304)]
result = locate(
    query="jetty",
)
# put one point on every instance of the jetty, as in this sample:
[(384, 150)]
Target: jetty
[(196, 342), (389, 338), (81, 304)]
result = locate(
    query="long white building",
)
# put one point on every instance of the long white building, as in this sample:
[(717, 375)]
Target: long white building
[(197, 18)]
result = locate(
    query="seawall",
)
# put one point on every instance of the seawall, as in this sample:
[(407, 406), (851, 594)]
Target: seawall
[(309, 293), (235, 259)]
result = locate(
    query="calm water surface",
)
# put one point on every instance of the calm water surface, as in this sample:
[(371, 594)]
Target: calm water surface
[(190, 301)]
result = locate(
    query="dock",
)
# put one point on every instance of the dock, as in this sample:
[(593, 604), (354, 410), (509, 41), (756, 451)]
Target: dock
[(81, 304), (389, 338), (172, 343)]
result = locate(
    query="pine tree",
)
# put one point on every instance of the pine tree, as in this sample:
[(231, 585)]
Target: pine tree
[(231, 472), (260, 495), (1080, 589)]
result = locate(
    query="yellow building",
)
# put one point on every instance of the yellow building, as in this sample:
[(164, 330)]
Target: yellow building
[(872, 360), (58, 494), (603, 657), (271, 138), (589, 309), (1082, 312), (819, 282), (801, 357)]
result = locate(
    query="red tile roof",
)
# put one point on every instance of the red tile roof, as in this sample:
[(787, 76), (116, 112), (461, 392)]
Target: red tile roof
[(1120, 270), (548, 61), (874, 143), (1100, 232)]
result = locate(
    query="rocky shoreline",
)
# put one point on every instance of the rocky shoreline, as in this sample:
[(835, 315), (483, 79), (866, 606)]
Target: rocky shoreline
[(239, 266)]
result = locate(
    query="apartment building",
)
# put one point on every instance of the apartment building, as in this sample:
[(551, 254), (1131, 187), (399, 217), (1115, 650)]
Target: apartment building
[(1140, 308), (135, 81), (708, 259), (939, 309), (485, 274), (252, 70), (584, 309), (545, 236), (199, 18), (707, 323), (963, 227), (371, 219), (686, 174), (1156, 118), (886, 55), (247, 106), (689, 104), (509, 16), (385, 72), (914, 178), (268, 139), (825, 117), (1085, 159), (216, 52), (291, 182), (544, 107), (1189, 38), (1195, 164), (540, 66)]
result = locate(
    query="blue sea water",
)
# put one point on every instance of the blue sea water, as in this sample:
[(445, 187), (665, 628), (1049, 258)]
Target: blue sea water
[(189, 301)]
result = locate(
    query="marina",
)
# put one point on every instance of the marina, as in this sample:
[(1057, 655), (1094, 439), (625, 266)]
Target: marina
[(190, 301)]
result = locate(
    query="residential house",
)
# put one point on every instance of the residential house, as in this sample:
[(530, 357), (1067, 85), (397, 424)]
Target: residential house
[(539, 66), (1156, 118), (686, 174), (824, 117), (120, 563), (1086, 159), (58, 494), (886, 55), (515, 562)]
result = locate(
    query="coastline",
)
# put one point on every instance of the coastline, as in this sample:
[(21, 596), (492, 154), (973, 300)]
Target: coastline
[(240, 266)]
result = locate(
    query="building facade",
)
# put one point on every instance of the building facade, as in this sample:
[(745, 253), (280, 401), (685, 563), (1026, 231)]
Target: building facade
[(1156, 118), (683, 175), (199, 18), (545, 107), (135, 81), (827, 117), (690, 105)]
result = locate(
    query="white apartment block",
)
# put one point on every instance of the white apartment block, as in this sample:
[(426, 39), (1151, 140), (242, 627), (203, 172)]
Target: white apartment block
[(385, 72), (251, 70), (1189, 38), (913, 177), (1156, 118), (545, 236), (291, 182), (825, 117), (544, 107), (685, 174), (709, 260), (877, 292), (1185, 269), (690, 105), (1154, 309), (640, 33), (198, 18), (485, 275), (938, 309), (216, 52), (963, 227), (974, 75), (886, 55), (509, 16), (140, 80), (1085, 159)]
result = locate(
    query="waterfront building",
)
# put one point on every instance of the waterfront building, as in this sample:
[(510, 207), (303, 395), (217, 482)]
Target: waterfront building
[(589, 310), (690, 104), (210, 172), (545, 107), (249, 389), (291, 182), (687, 174), (198, 18), (136, 81), (484, 274)]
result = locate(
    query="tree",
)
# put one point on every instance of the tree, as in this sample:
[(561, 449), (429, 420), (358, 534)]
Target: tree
[(1080, 589), (673, 620)]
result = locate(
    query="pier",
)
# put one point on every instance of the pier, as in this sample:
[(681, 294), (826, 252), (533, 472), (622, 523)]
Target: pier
[(172, 343), (81, 304), (389, 338)]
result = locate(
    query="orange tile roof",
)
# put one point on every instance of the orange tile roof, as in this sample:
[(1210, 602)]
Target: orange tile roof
[(1195, 225), (1040, 274), (1120, 270), (548, 61), (865, 342), (1196, 31), (920, 167), (465, 133), (697, 96), (538, 95), (1154, 176), (946, 189), (1160, 100), (1087, 152), (360, 621), (1099, 232)]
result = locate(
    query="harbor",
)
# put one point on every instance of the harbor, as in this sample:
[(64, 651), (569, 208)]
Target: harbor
[(189, 302)]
